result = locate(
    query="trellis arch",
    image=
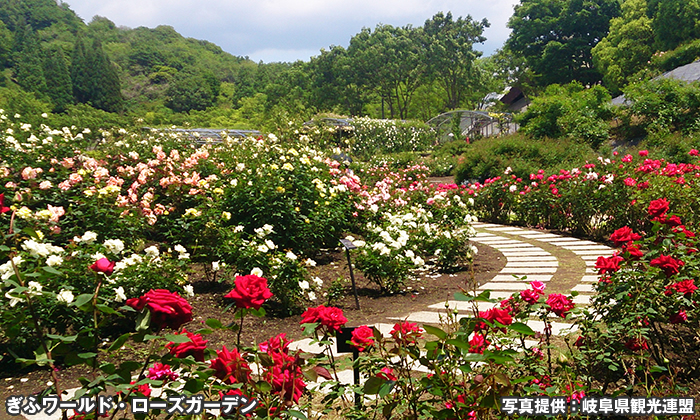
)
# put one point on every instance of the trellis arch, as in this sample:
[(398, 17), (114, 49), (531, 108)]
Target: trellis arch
[(472, 124)]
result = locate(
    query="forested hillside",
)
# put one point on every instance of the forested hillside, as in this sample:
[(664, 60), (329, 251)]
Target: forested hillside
[(50, 60)]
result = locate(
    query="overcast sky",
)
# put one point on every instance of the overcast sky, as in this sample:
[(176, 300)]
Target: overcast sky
[(290, 30)]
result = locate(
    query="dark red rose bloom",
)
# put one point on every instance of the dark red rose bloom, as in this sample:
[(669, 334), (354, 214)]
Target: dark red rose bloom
[(161, 372), (478, 343), (3, 208), (406, 332), (686, 287), (658, 207), (362, 337), (635, 344), (678, 318), (168, 309), (250, 291), (580, 341), (279, 343), (634, 251), (559, 304), (496, 314), (230, 366), (285, 376), (668, 264), (624, 235), (195, 347), (608, 264), (103, 265), (530, 296), (329, 317)]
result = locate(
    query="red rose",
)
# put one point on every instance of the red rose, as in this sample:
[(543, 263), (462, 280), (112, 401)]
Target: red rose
[(250, 291), (194, 347), (279, 343), (658, 207), (496, 314), (230, 366), (3, 208), (329, 317), (362, 338), (103, 265), (580, 341), (608, 264), (387, 374), (668, 264), (168, 309), (686, 287), (643, 153), (559, 304), (538, 286), (679, 317), (478, 343), (161, 372), (624, 235), (635, 344), (530, 296), (285, 376), (406, 332), (634, 251)]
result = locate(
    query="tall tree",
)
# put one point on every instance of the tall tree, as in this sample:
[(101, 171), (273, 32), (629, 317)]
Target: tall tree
[(58, 78), (29, 71), (79, 72), (556, 37), (674, 22), (450, 54), (628, 47)]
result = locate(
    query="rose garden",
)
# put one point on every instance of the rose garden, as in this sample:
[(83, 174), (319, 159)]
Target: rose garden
[(104, 232)]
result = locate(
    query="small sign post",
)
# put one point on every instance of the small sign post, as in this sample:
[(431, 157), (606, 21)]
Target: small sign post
[(342, 346), (348, 246)]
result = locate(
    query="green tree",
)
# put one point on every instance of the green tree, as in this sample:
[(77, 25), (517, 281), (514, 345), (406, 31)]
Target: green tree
[(6, 42), (57, 77), (28, 58), (556, 37), (674, 22), (628, 47), (390, 60), (189, 92), (449, 52), (79, 74)]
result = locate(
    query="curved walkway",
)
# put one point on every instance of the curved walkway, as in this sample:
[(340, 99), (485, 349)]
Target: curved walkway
[(564, 263)]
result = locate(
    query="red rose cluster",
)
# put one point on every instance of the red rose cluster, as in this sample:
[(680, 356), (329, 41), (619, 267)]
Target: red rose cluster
[(230, 366), (532, 295), (285, 374), (406, 332), (329, 318), (608, 264), (250, 291), (168, 309), (668, 264), (499, 315)]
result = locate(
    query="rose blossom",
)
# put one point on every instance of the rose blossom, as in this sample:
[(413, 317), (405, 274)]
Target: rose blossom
[(230, 366), (329, 317), (624, 235), (658, 207), (250, 291), (609, 264), (387, 374), (686, 287), (362, 337), (406, 332), (679, 317), (478, 343), (668, 264), (161, 372), (279, 343), (559, 304), (103, 265), (168, 309), (195, 347)]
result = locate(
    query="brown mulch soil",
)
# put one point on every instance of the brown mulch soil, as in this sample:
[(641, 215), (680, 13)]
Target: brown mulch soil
[(209, 303)]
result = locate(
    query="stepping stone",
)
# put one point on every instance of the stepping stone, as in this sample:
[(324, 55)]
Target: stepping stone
[(585, 288), (532, 259), (528, 253), (463, 306), (558, 328), (582, 299), (505, 229), (499, 243), (530, 277), (589, 257), (486, 235), (306, 346), (601, 252), (427, 317), (569, 241), (531, 263), (591, 279), (485, 225), (505, 286), (539, 236), (528, 270), (585, 247), (495, 294), (519, 245)]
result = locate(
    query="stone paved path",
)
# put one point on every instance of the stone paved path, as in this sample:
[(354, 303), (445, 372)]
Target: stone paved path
[(563, 263)]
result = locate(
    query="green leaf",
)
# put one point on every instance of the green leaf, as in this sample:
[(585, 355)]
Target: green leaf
[(81, 300), (386, 388), (214, 323), (435, 331), (143, 321), (52, 270), (177, 338), (63, 338), (474, 357), (372, 385), (87, 355), (105, 309), (521, 328), (458, 343), (296, 414)]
